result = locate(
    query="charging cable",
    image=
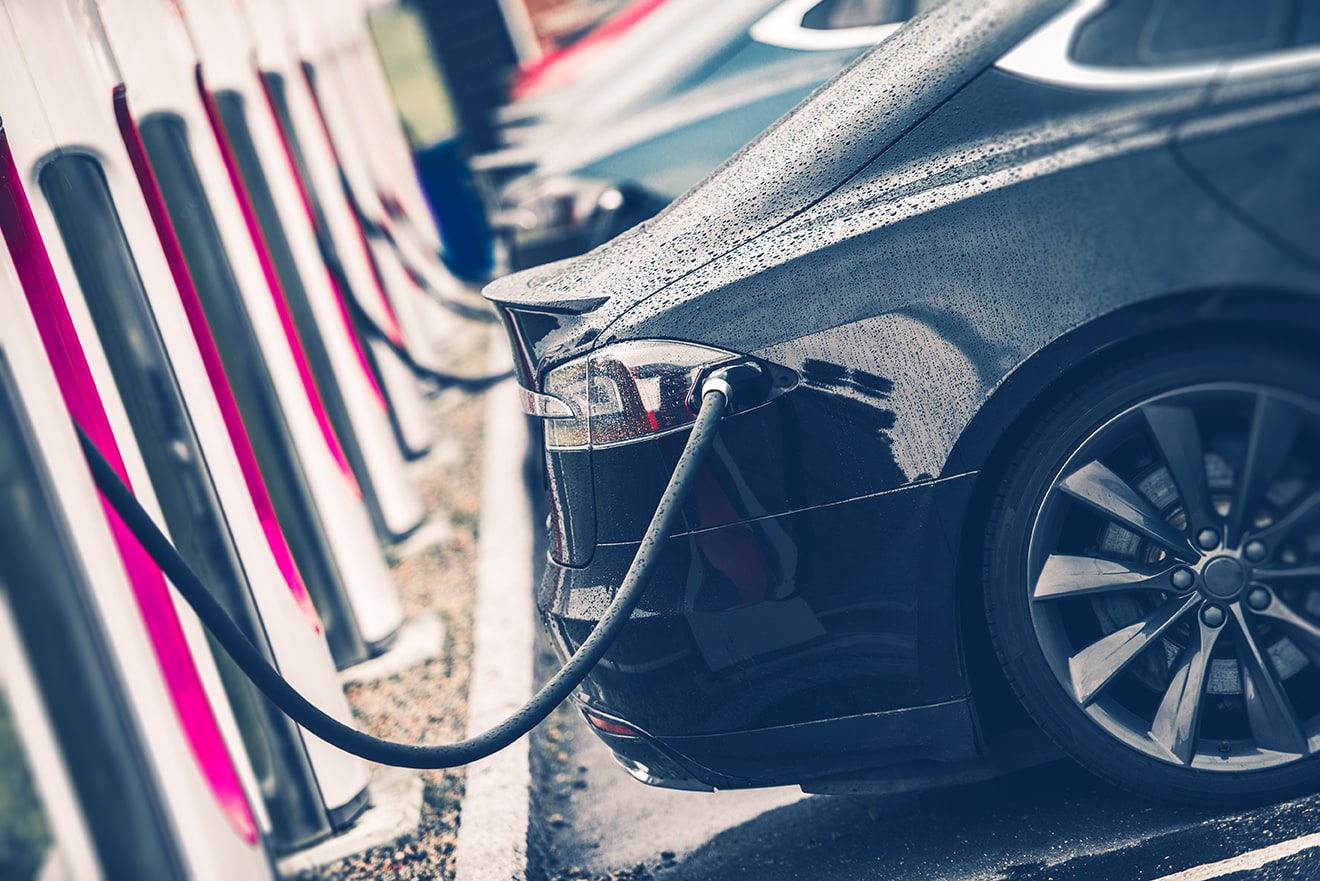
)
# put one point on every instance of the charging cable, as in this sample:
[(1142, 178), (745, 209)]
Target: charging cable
[(715, 400), (470, 384)]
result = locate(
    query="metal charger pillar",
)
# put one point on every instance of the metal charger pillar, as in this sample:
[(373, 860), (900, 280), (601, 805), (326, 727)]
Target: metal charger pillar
[(363, 274), (249, 313), (120, 680), (328, 38), (354, 401), (129, 277)]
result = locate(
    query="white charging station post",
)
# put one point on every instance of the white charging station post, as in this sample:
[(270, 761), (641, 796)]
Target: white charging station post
[(310, 34), (359, 109), (313, 789), (336, 549), (362, 72), (175, 767), (50, 831), (355, 403), (362, 272)]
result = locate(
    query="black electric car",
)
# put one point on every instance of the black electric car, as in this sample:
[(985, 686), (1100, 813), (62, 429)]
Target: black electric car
[(1029, 299)]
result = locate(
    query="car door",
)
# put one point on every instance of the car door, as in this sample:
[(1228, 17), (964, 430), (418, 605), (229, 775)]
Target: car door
[(1256, 147)]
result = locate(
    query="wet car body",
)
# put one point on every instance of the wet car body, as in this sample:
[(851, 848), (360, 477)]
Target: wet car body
[(922, 258)]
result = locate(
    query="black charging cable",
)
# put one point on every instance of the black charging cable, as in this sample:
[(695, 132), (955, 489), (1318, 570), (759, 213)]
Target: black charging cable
[(368, 324), (715, 398), (469, 384), (440, 298)]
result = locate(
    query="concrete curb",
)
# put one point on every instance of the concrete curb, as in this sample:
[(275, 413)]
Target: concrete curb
[(492, 835)]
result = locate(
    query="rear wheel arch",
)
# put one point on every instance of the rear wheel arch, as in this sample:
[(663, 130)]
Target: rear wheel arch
[(987, 445)]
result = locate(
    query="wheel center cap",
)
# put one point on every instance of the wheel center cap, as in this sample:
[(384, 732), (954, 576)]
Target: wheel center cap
[(1224, 577)]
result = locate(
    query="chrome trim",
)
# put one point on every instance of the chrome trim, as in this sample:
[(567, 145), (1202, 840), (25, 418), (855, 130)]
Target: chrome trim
[(782, 26), (1044, 56), (543, 406)]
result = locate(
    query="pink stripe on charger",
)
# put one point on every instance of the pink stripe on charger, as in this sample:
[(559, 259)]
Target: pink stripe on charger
[(304, 191), (277, 294), (215, 371), (78, 388)]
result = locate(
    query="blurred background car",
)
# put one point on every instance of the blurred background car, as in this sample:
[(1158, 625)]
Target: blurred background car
[(657, 111), (1024, 309), (559, 66)]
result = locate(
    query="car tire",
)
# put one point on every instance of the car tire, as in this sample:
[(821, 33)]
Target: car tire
[(1152, 572)]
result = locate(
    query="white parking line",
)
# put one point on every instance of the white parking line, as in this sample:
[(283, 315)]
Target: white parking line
[(1246, 862), (492, 833)]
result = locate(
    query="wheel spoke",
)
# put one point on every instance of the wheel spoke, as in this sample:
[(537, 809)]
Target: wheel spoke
[(1067, 576), (1305, 513), (1304, 634), (1269, 710), (1104, 491), (1175, 432), (1095, 666), (1310, 572), (1274, 427), (1175, 724)]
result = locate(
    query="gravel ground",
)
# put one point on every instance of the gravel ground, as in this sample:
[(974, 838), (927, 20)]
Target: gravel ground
[(428, 703)]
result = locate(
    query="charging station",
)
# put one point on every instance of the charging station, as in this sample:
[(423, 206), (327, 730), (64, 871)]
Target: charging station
[(354, 402), (228, 306), (49, 836), (334, 784), (363, 75), (331, 42), (97, 797), (164, 784), (310, 34), (360, 272), (125, 283), (316, 496), (361, 71)]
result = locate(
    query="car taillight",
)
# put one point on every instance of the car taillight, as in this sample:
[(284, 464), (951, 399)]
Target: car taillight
[(625, 392), (610, 726)]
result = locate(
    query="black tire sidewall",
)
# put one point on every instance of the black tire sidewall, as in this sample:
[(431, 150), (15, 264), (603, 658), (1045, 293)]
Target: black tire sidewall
[(1088, 405)]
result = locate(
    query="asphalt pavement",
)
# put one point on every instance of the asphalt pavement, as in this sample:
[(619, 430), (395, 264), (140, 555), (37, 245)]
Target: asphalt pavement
[(590, 820), (1052, 822)]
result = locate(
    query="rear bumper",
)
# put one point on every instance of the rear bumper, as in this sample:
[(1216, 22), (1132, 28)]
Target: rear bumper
[(798, 754), (769, 651)]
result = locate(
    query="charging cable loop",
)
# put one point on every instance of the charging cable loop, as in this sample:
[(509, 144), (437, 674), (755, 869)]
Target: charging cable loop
[(714, 406)]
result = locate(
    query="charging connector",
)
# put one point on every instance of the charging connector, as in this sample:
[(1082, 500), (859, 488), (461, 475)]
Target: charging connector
[(746, 384)]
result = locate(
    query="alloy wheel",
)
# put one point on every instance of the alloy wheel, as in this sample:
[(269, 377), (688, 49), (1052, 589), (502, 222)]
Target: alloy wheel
[(1174, 577)]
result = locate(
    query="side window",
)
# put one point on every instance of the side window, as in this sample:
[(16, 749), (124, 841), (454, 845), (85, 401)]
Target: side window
[(1158, 33), (832, 14)]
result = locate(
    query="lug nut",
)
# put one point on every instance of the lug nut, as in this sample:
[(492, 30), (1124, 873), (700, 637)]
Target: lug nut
[(1183, 578), (1259, 598), (1208, 539), (1213, 616), (1255, 551)]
